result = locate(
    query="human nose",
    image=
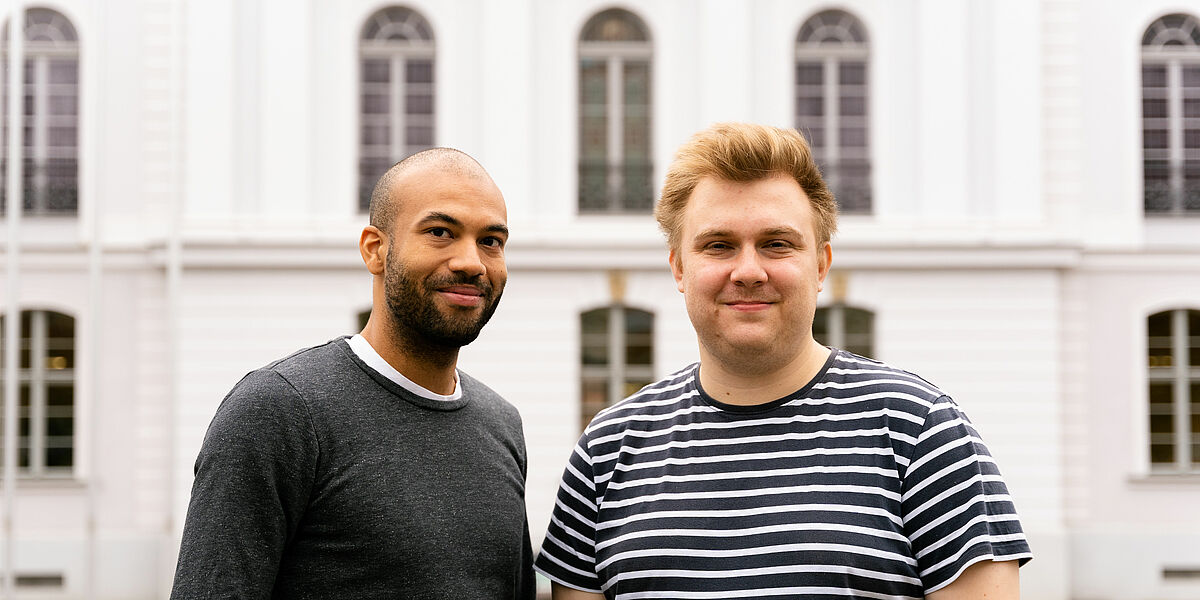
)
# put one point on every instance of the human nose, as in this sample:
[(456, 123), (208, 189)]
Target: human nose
[(748, 269), (466, 259)]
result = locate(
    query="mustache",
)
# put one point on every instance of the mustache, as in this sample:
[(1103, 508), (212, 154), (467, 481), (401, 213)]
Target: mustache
[(478, 282)]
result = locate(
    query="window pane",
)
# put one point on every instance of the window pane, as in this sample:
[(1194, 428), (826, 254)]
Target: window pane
[(1157, 186), (23, 422), (813, 106), (61, 192), (853, 137), (852, 73), (1193, 321), (1191, 108), (593, 186), (1154, 138), (1162, 453), (1162, 424), (852, 188), (1191, 76), (639, 338), (1154, 76), (593, 115), (1191, 183), (821, 326), (593, 398), (418, 71), (1162, 397), (632, 387), (858, 320), (594, 341), (376, 70), (638, 194), (639, 354), (60, 426), (809, 73), (418, 104), (64, 71), (638, 321), (419, 135), (376, 135), (852, 106), (1159, 324), (595, 321), (375, 103)]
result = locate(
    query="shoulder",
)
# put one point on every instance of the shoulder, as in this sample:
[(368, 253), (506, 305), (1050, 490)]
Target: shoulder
[(656, 406), (854, 376), (312, 362), (276, 393), (487, 399)]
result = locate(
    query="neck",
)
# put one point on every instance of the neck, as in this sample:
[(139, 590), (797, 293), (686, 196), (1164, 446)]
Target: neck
[(428, 365), (749, 382)]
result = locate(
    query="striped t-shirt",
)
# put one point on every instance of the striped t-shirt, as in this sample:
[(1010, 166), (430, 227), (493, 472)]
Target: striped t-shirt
[(868, 482)]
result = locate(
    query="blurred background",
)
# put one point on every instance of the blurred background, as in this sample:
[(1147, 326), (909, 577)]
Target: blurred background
[(1019, 184)]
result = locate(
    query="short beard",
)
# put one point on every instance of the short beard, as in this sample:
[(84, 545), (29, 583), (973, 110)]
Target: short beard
[(416, 319)]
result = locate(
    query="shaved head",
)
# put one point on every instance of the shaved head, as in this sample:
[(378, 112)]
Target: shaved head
[(385, 196)]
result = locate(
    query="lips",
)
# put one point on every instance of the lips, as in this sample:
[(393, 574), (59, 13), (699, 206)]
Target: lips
[(462, 295), (748, 305)]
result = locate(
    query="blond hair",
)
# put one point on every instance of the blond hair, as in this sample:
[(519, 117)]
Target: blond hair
[(743, 152)]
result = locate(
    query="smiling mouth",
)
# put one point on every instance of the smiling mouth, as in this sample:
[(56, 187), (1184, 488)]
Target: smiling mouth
[(749, 305), (462, 295)]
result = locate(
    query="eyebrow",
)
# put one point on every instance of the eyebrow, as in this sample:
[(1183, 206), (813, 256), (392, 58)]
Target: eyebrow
[(721, 233), (441, 217)]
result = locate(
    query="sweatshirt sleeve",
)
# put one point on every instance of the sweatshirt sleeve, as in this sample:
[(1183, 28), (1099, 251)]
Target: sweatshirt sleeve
[(254, 474)]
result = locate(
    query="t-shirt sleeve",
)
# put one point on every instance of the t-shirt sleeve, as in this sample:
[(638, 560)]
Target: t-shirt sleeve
[(253, 477), (956, 507), (568, 554)]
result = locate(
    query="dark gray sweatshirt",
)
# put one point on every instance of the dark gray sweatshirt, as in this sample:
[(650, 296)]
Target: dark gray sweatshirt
[(321, 478)]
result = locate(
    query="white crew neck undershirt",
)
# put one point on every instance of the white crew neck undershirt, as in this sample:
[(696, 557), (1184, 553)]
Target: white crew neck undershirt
[(363, 349)]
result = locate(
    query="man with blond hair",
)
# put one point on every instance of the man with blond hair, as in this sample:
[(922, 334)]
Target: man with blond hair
[(775, 467)]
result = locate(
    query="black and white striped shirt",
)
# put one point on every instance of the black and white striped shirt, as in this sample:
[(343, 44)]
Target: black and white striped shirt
[(867, 483)]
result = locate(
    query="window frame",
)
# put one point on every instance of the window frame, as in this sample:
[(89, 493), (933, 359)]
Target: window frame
[(615, 55), (38, 152), (39, 378), (398, 54), (832, 57), (838, 334), (617, 372), (1182, 376)]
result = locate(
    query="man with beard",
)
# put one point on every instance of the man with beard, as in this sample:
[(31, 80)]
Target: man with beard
[(369, 466)]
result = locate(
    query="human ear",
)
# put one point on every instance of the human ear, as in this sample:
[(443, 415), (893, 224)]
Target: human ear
[(676, 269), (372, 245), (824, 259)]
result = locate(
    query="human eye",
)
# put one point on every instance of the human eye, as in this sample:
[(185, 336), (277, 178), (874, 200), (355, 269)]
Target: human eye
[(492, 242), (439, 232)]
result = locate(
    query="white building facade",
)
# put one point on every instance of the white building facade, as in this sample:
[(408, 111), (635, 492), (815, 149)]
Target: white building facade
[(1020, 184)]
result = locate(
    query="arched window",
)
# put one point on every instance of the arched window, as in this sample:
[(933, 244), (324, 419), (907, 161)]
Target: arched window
[(617, 352), (615, 170), (1171, 116), (50, 179), (397, 93), (46, 408), (845, 327), (1173, 374), (831, 104)]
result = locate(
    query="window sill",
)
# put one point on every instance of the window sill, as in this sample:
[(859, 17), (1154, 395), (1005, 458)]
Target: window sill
[(63, 482), (1167, 478)]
